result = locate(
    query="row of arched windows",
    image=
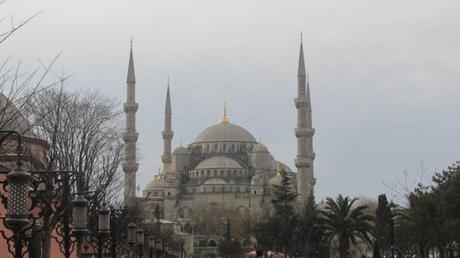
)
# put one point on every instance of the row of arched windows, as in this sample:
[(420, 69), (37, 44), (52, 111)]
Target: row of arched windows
[(217, 189), (217, 173), (224, 147)]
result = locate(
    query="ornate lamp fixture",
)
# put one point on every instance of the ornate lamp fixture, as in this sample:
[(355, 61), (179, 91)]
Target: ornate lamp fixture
[(17, 216), (104, 220), (80, 217), (140, 241)]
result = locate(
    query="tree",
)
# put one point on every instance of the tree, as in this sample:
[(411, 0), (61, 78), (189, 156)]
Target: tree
[(284, 219), (346, 223), (310, 240), (229, 247), (431, 221), (383, 224), (83, 130)]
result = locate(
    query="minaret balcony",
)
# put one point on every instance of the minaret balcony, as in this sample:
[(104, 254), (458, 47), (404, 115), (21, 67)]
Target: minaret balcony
[(130, 166), (130, 136), (167, 134), (304, 132), (166, 158), (130, 107), (300, 102), (302, 162)]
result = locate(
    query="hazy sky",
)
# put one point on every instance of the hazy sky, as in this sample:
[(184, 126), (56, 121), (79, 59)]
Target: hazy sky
[(384, 75)]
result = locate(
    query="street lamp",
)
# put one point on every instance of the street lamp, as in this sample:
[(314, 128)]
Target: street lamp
[(17, 215), (104, 220), (158, 247), (151, 245), (80, 217), (104, 228), (456, 248), (140, 241), (131, 236)]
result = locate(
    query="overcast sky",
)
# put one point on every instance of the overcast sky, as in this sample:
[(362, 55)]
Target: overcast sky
[(384, 75)]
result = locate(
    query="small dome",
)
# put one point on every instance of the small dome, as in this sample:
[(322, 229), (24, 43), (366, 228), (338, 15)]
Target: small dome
[(283, 166), (218, 162), (156, 184), (181, 150), (225, 132), (260, 148), (276, 180)]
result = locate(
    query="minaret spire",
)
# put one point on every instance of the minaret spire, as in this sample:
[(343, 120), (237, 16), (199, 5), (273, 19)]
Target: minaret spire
[(167, 132), (130, 136), (304, 132)]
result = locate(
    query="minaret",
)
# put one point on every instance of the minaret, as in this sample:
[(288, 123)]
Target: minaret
[(167, 132), (304, 133), (130, 164)]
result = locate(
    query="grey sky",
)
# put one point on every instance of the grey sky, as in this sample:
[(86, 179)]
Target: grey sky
[(384, 75)]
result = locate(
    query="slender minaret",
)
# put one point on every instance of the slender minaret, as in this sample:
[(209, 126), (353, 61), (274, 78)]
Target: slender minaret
[(130, 164), (167, 132), (304, 133)]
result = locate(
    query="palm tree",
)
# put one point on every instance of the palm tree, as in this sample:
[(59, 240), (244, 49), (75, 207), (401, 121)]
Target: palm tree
[(346, 222)]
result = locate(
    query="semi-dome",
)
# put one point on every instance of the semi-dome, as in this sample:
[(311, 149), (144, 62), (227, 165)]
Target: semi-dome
[(181, 150), (156, 184), (218, 162), (225, 132), (260, 148)]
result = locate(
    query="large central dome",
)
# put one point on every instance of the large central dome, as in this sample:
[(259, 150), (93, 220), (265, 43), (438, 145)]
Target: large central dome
[(225, 132)]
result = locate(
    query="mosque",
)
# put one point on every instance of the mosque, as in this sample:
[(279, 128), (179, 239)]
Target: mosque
[(224, 173)]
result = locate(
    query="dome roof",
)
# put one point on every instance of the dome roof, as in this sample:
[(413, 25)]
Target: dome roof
[(276, 180), (225, 132), (181, 150), (260, 148), (156, 184), (218, 162), (283, 166)]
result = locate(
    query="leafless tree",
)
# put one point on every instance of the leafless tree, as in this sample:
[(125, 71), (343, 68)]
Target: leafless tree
[(18, 87), (84, 131)]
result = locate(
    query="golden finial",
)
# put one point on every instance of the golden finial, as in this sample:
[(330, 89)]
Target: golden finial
[(224, 119)]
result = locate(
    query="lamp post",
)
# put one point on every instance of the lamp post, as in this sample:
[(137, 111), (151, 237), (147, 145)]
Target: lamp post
[(131, 238), (17, 216), (104, 229), (151, 245), (80, 220), (158, 247), (140, 241), (455, 251)]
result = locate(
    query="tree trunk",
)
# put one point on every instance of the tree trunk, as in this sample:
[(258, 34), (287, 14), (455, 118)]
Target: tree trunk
[(343, 248), (46, 242)]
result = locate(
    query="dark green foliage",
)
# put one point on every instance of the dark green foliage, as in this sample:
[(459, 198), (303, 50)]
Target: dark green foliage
[(229, 247), (284, 221), (347, 223), (383, 224), (431, 220)]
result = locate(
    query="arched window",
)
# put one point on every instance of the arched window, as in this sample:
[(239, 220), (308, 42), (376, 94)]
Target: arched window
[(188, 228), (212, 243)]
